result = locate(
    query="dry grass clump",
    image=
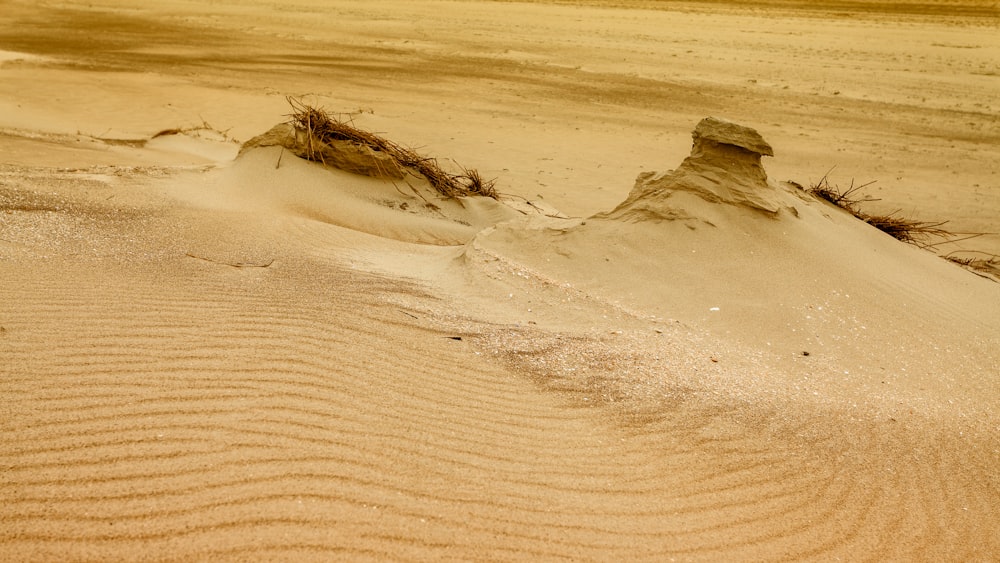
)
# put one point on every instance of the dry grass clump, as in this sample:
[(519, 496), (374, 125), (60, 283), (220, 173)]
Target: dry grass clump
[(844, 199), (984, 263), (925, 234), (915, 232), (321, 126), (908, 230)]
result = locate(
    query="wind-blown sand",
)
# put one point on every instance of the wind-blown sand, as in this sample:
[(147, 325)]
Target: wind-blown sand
[(206, 356)]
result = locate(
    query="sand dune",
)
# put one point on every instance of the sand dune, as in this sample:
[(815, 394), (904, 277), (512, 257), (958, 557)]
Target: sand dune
[(207, 356)]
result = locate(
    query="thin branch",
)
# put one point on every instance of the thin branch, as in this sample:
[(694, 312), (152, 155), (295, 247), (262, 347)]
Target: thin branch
[(232, 264)]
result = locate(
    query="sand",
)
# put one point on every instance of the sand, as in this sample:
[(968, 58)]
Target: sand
[(206, 356)]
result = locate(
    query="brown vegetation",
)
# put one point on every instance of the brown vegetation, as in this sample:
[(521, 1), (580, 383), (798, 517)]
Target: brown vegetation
[(901, 228), (321, 126), (925, 234)]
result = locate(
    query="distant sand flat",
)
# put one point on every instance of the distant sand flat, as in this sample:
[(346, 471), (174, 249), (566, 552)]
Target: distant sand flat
[(210, 357)]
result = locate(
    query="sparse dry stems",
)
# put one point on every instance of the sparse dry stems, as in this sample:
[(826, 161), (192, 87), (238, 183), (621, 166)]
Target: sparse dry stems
[(918, 233), (844, 199), (907, 230)]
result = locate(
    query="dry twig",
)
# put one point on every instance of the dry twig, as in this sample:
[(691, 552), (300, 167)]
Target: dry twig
[(232, 264)]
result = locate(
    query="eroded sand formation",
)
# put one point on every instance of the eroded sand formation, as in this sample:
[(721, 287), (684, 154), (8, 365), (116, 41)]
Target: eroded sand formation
[(724, 167)]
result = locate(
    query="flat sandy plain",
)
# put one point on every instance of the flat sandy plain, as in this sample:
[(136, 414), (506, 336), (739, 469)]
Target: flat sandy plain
[(205, 357)]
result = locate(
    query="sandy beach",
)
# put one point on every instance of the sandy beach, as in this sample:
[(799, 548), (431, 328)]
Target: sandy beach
[(654, 344)]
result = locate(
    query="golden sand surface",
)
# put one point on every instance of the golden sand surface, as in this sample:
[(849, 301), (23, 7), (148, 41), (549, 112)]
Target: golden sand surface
[(206, 356)]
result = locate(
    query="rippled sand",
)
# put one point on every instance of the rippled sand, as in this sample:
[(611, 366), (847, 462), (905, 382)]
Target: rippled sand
[(205, 357)]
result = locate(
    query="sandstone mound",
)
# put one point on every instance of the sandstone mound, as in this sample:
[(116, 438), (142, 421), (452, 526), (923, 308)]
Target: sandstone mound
[(714, 244), (724, 167)]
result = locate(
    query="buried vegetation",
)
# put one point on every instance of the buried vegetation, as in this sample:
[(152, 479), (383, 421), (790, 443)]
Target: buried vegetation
[(925, 234), (321, 129)]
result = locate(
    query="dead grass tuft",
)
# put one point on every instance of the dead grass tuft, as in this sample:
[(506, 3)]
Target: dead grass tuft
[(845, 199), (925, 234), (984, 263), (476, 184), (908, 230), (321, 126)]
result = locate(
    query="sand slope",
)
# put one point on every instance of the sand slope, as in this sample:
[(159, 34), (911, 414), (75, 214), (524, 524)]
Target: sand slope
[(217, 381), (205, 357)]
